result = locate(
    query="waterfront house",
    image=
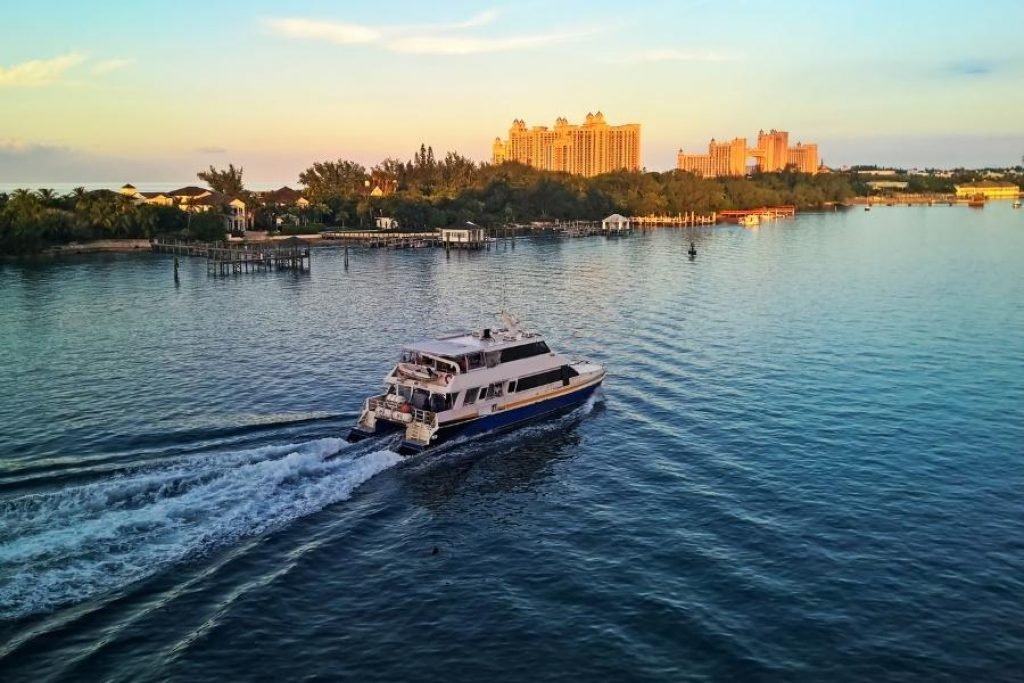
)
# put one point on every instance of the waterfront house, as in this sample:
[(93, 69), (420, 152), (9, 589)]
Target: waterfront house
[(290, 205), (385, 223), (237, 216), (283, 197), (989, 189)]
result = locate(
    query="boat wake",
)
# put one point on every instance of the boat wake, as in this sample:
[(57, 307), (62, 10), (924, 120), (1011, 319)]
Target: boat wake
[(69, 545)]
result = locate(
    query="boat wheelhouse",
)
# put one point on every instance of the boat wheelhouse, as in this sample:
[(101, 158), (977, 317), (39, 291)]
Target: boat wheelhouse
[(473, 382)]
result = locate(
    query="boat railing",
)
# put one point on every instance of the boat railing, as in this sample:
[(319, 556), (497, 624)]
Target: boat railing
[(424, 416), (418, 415)]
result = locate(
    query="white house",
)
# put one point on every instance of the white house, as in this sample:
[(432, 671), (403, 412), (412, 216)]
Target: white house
[(463, 235), (385, 223)]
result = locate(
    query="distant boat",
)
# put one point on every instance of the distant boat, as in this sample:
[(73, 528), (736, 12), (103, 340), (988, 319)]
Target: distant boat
[(750, 219), (977, 201), (1016, 204), (867, 207)]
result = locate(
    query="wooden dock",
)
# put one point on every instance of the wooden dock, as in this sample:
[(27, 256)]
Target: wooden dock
[(288, 254), (680, 220), (765, 212), (383, 240)]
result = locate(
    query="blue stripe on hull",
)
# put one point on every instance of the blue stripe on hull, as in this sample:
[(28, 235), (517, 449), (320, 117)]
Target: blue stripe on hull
[(506, 419)]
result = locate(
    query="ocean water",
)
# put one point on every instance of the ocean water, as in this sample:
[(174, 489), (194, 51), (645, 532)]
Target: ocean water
[(807, 463)]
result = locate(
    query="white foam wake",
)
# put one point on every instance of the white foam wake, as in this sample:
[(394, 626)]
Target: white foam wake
[(68, 545)]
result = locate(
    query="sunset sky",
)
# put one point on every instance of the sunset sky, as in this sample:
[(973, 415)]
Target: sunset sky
[(152, 91)]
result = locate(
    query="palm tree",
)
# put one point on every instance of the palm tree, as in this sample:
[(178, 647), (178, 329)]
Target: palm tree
[(47, 195)]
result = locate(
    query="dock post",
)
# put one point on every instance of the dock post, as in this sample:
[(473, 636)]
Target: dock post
[(346, 257), (175, 269)]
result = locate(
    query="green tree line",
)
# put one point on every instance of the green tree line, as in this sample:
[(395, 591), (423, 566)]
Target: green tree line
[(428, 192), (31, 221)]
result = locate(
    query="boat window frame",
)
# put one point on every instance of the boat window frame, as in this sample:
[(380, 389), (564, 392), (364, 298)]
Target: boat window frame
[(471, 396), (550, 376), (522, 351)]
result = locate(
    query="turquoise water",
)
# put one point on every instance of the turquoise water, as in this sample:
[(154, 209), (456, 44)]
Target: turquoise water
[(806, 464)]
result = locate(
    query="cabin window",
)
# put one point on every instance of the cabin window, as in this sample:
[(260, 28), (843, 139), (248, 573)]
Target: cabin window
[(534, 381), (497, 390), (512, 387), (470, 398), (474, 361), (420, 399), (524, 351)]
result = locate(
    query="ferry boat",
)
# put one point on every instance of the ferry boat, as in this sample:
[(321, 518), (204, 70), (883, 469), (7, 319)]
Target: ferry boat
[(474, 382)]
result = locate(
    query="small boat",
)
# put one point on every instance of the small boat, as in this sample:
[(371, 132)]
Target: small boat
[(977, 201), (867, 207), (750, 219), (474, 382), (1016, 204)]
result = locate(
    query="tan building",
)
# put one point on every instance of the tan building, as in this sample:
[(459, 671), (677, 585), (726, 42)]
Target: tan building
[(989, 189), (772, 153), (589, 149), (237, 216), (804, 158)]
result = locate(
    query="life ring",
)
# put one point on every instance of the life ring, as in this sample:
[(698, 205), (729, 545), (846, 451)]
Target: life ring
[(404, 408)]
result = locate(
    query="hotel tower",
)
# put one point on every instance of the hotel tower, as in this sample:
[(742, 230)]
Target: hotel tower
[(589, 149)]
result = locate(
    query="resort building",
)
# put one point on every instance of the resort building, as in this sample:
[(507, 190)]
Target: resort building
[(989, 189), (772, 153), (589, 149)]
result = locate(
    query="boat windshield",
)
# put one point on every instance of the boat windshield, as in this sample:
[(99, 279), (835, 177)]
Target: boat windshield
[(421, 399)]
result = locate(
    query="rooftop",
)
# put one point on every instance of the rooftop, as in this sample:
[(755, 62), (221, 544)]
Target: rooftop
[(987, 184), (466, 342)]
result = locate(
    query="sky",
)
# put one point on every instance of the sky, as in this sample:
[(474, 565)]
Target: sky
[(151, 92)]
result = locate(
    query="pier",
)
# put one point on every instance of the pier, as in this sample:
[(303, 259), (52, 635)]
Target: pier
[(383, 240), (680, 220), (765, 212), (287, 254)]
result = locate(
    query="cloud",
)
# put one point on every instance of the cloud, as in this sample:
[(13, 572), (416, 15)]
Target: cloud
[(39, 164), (970, 68), (343, 34), (211, 150), (423, 39), (440, 45), (672, 54), (38, 71), (108, 65)]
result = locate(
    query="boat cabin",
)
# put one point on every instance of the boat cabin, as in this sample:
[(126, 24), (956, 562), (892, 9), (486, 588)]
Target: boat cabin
[(462, 353)]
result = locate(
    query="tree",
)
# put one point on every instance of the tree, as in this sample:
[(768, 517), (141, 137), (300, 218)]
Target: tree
[(228, 181), (341, 178)]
